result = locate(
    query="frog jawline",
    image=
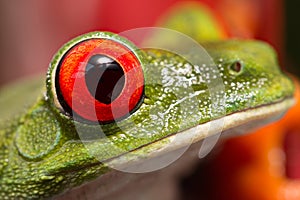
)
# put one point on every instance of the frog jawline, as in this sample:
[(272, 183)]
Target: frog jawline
[(263, 114)]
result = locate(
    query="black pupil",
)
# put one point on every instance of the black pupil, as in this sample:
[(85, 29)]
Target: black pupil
[(104, 78)]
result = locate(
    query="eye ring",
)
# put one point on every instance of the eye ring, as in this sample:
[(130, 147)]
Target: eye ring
[(71, 92)]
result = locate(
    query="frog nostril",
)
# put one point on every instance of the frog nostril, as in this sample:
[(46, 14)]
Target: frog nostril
[(236, 67)]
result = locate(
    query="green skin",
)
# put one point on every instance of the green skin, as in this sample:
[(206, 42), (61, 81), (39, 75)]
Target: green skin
[(41, 154)]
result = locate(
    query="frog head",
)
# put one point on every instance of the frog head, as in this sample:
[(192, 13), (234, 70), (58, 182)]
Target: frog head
[(62, 142)]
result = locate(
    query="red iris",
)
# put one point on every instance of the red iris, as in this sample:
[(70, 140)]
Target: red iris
[(99, 80)]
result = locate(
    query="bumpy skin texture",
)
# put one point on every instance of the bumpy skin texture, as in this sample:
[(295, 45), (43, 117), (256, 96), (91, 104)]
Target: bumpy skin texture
[(41, 154)]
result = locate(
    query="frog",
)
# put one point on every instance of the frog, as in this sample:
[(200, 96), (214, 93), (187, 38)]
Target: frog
[(63, 132), (50, 146)]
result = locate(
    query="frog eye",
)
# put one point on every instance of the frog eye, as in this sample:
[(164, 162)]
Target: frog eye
[(99, 80), (236, 67)]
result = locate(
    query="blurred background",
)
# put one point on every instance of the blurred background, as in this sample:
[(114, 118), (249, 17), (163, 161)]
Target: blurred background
[(264, 165), (32, 31)]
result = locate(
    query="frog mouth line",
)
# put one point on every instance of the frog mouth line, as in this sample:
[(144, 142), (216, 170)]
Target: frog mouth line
[(264, 113), (261, 114)]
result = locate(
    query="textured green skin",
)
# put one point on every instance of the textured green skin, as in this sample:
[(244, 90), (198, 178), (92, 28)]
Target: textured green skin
[(41, 154)]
